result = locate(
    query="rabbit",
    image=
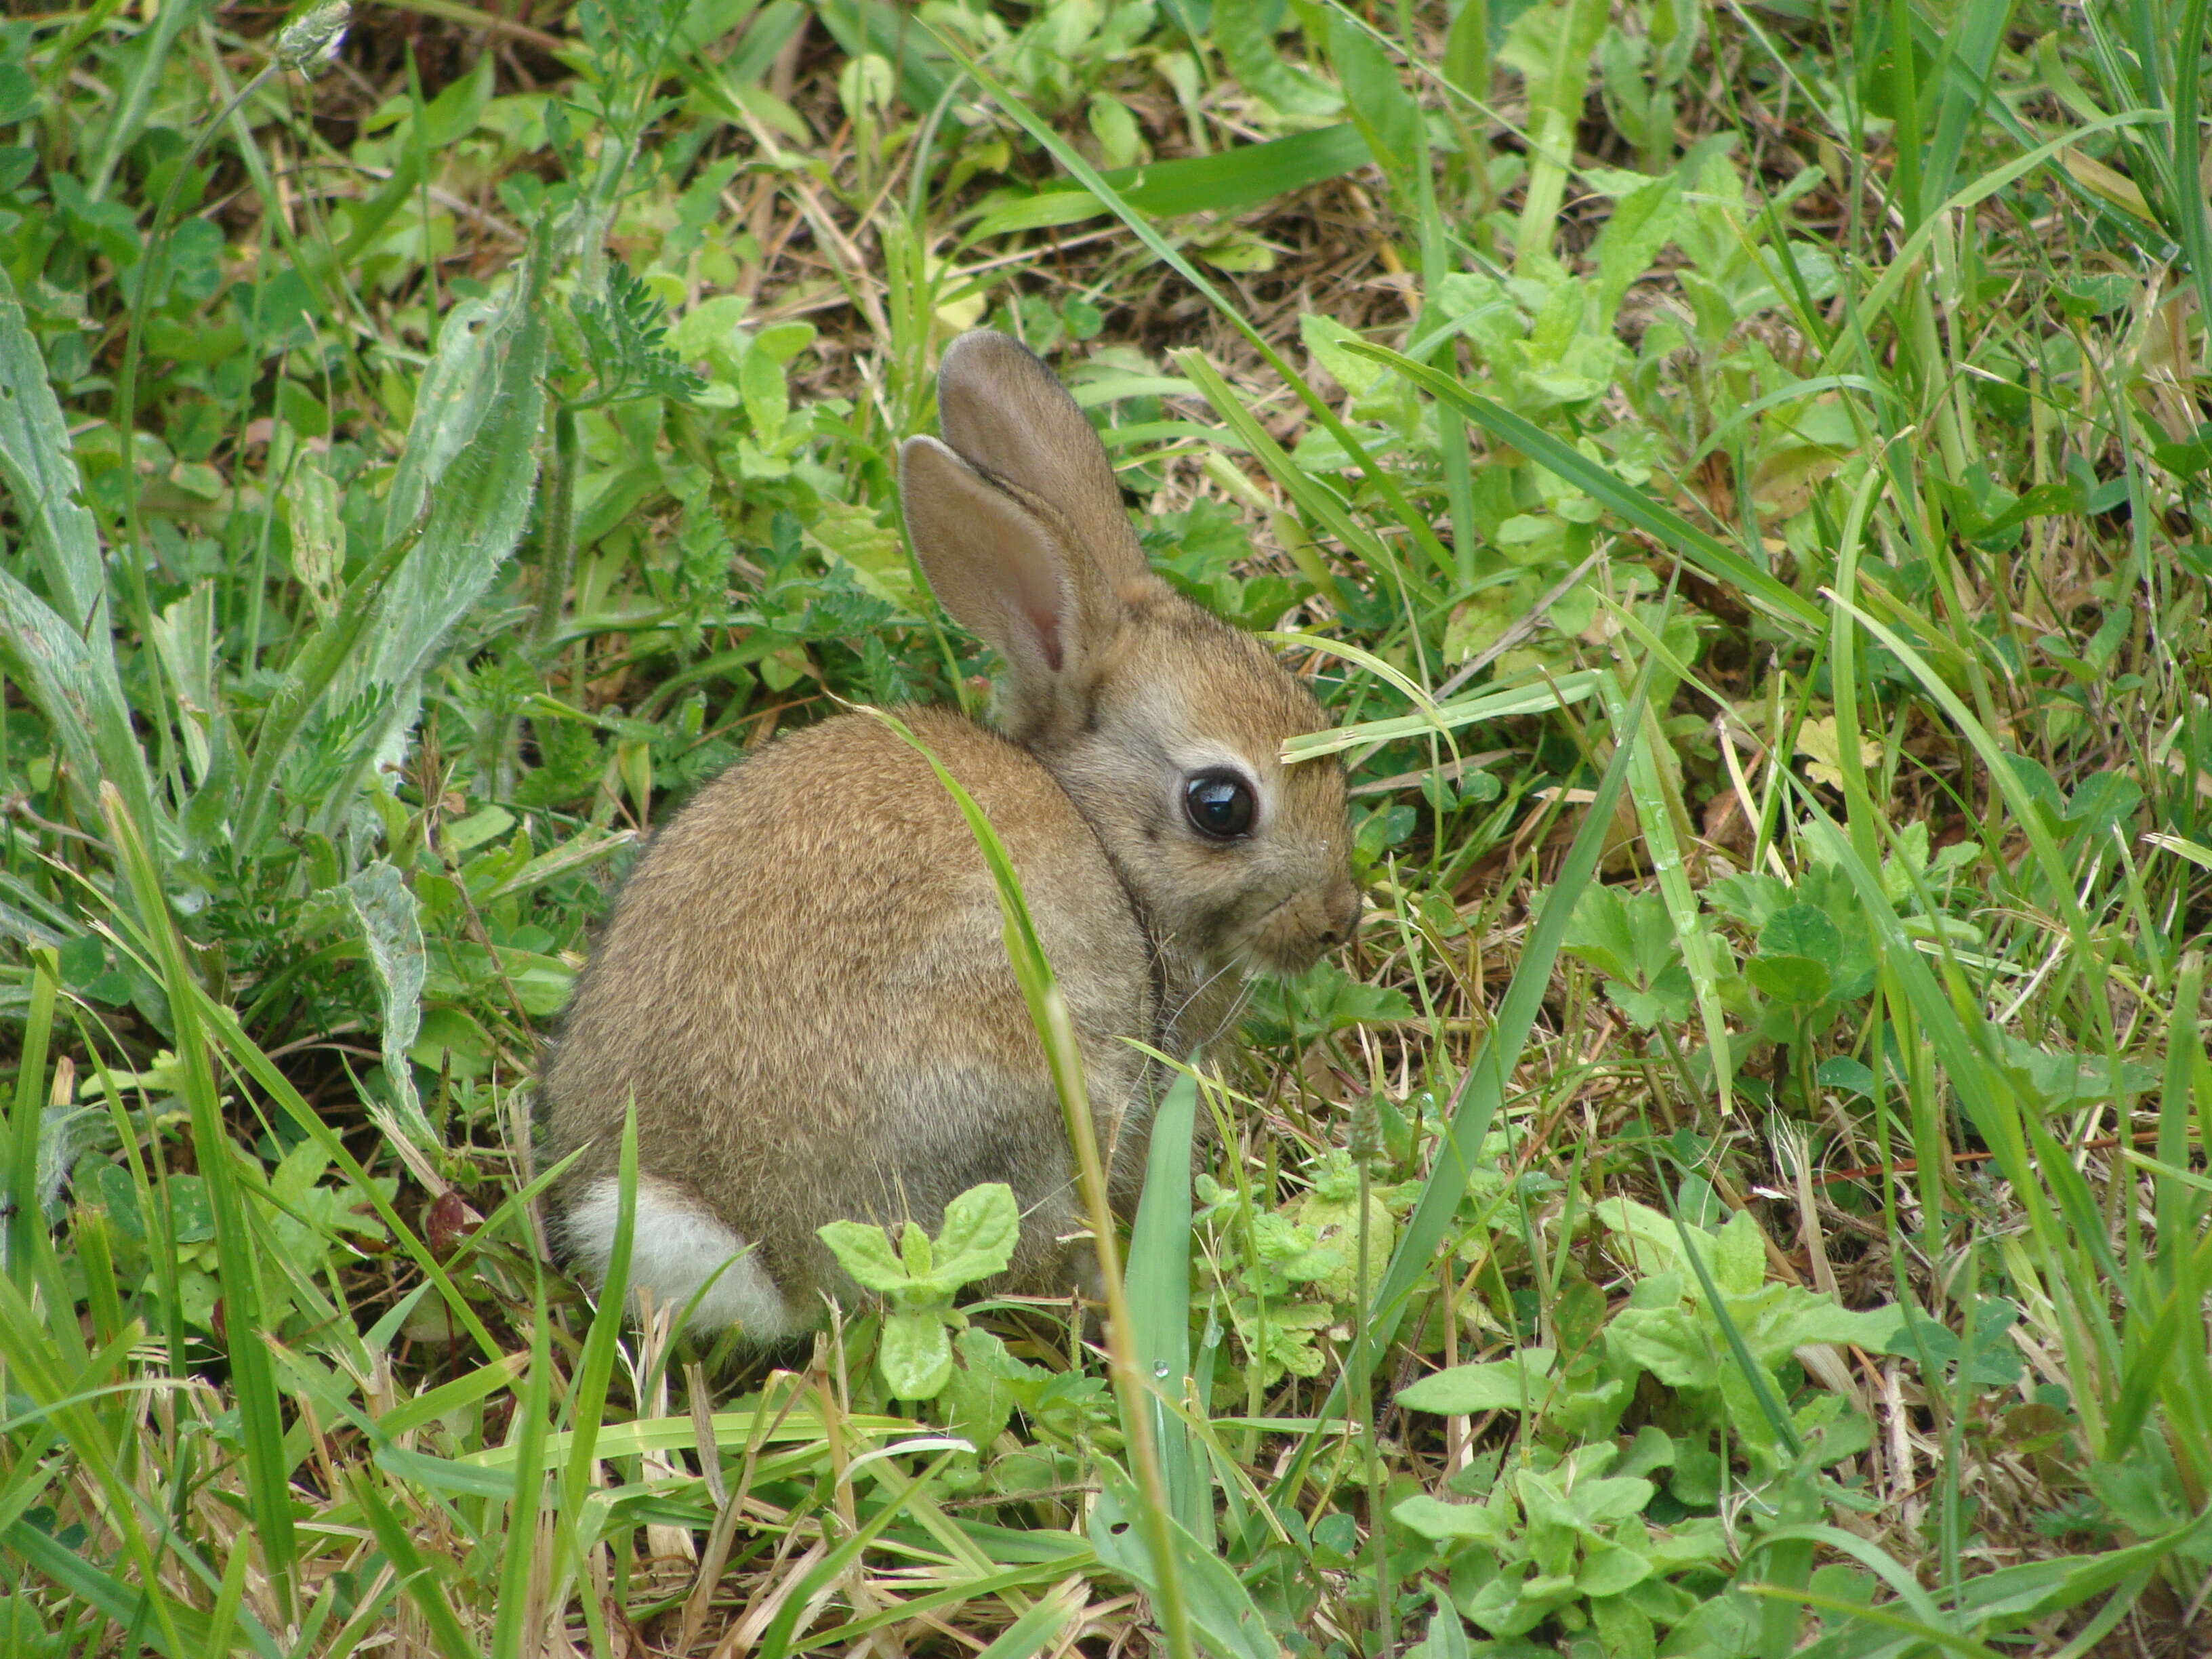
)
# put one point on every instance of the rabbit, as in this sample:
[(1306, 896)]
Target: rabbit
[(804, 986)]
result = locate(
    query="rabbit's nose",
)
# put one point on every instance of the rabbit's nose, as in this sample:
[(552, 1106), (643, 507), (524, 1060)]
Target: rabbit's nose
[(1346, 921)]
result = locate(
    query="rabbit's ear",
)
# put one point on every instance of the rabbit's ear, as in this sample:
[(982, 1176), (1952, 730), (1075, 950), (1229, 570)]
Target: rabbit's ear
[(1004, 563), (1006, 415)]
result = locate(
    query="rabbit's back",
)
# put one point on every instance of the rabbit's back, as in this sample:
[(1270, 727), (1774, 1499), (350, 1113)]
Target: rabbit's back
[(804, 986)]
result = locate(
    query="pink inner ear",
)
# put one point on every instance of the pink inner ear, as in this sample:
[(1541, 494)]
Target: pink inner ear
[(1040, 602)]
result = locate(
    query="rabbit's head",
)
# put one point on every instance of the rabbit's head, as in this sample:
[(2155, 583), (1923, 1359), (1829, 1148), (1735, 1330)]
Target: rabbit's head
[(1164, 725)]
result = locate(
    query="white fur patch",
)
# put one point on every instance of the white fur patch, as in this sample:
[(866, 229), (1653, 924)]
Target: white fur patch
[(675, 1248)]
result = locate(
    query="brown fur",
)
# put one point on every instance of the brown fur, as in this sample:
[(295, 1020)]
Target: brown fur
[(805, 983)]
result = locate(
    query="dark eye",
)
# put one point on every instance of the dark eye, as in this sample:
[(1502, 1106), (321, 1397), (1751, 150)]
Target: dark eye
[(1220, 805)]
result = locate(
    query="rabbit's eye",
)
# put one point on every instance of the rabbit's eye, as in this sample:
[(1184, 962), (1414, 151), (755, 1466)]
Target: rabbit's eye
[(1220, 805)]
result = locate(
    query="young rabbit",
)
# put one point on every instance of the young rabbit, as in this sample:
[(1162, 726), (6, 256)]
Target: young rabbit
[(804, 985)]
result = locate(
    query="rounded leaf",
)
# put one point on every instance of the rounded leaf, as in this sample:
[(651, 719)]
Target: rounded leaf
[(1799, 930), (914, 1355), (1797, 982)]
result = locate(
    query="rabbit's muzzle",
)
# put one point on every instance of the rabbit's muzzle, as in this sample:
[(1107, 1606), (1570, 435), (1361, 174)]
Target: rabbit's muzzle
[(1304, 927)]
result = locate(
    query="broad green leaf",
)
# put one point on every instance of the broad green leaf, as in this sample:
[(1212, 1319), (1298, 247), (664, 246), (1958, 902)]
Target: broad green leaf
[(1797, 1316), (467, 478), (1221, 1610), (1656, 1243), (1632, 940), (60, 651), (1115, 130), (1439, 1521), (767, 396), (1799, 981), (917, 1256), (318, 538), (1599, 934), (1517, 1384), (713, 332), (451, 405), (865, 1253), (1667, 1342), (1667, 998), (1325, 338), (73, 683), (384, 910), (1375, 94), (982, 1227), (1740, 1255), (1447, 1635), (41, 476), (850, 535), (477, 424), (1609, 1569), (915, 1354), (1753, 898), (1642, 223)]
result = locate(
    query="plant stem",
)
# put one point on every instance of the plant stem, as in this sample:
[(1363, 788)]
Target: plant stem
[(133, 559), (1364, 1406), (20, 1238), (560, 535)]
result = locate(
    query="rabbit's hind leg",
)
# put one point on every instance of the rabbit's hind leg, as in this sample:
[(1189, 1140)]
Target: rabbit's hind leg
[(676, 1248)]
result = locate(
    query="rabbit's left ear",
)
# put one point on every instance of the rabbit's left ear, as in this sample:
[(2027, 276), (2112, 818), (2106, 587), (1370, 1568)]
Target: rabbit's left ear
[(1006, 565), (1004, 414)]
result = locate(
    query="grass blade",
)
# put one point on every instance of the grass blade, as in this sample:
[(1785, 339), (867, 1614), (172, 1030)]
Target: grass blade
[(1313, 499), (1969, 52), (1056, 1030), (417, 1578), (1159, 1279), (27, 1218), (529, 1441), (1535, 697), (1225, 182), (1662, 817), (252, 1376), (178, 1632), (1031, 1633), (2058, 873)]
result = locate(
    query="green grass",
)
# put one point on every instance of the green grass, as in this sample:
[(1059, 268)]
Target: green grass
[(1738, 478)]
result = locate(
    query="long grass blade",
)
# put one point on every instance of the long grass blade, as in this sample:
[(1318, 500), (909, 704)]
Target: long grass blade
[(1049, 1013), (261, 1418), (1224, 182), (1159, 1278)]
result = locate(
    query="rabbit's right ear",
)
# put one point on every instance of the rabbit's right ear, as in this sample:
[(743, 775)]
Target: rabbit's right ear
[(1007, 414), (1010, 567)]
